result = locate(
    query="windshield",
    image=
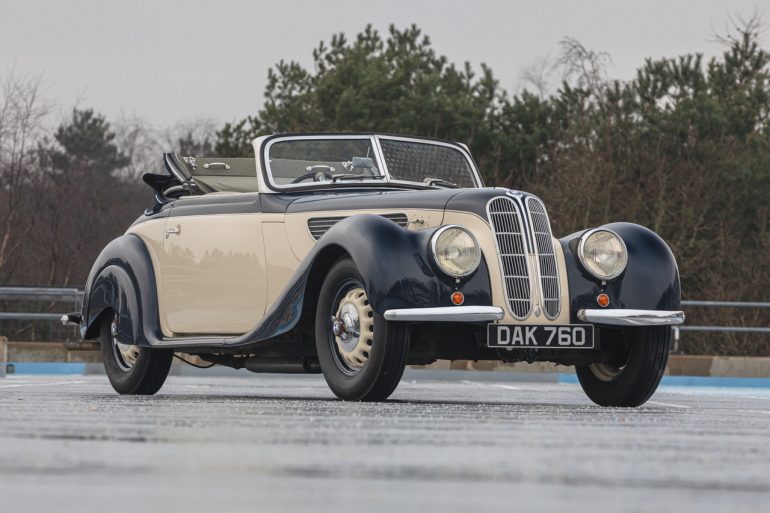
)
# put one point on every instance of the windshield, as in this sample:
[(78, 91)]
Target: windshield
[(304, 161), (427, 163), (315, 160)]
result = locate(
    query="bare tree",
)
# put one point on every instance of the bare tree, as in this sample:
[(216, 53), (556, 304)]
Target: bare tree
[(142, 143), (587, 68), (739, 28), (538, 74), (23, 113), (194, 136)]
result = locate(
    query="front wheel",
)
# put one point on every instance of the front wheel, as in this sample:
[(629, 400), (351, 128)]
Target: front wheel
[(637, 358), (362, 355), (131, 369)]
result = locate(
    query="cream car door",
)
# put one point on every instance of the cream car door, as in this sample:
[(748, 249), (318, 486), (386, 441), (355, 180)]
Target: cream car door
[(213, 278)]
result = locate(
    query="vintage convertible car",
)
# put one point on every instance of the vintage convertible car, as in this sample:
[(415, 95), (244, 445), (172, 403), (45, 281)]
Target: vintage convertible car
[(355, 255)]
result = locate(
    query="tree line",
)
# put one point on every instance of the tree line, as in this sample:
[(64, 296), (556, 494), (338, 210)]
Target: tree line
[(683, 148)]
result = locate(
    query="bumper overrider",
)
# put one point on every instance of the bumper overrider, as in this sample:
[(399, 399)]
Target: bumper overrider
[(612, 317)]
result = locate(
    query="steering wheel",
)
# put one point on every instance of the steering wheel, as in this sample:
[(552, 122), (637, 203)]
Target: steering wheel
[(318, 173), (363, 163)]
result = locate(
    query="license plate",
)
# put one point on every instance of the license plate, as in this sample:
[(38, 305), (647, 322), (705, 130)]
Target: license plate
[(568, 336)]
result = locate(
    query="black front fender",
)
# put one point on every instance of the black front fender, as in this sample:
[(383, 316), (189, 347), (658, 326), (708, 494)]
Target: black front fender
[(397, 267), (650, 281)]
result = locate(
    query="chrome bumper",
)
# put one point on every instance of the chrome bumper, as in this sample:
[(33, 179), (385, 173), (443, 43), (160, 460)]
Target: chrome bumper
[(623, 317), (619, 317), (446, 314)]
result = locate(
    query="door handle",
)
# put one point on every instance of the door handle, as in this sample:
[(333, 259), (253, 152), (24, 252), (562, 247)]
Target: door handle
[(213, 164), (173, 231)]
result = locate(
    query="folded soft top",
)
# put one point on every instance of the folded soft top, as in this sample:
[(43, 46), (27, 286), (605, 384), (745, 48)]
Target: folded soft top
[(213, 174)]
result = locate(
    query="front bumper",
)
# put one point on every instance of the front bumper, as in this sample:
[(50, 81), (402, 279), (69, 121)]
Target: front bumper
[(614, 317), (446, 314), (626, 317)]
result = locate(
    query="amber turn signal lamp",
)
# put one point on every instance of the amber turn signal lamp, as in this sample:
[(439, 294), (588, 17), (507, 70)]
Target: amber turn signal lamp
[(603, 300), (458, 298)]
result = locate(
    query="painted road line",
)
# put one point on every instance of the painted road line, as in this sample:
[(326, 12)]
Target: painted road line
[(507, 387), (670, 404), (52, 383)]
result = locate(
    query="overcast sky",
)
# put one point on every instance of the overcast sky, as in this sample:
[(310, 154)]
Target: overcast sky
[(169, 61)]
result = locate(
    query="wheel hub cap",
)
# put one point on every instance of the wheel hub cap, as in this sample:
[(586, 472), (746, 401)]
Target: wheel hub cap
[(605, 372), (125, 354), (353, 328)]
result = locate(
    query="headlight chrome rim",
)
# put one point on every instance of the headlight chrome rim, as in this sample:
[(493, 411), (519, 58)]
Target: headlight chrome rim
[(434, 239), (581, 253)]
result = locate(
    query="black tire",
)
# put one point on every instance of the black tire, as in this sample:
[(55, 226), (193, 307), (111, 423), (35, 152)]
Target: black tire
[(145, 376), (382, 372), (641, 364)]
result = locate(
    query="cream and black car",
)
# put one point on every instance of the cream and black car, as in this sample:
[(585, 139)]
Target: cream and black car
[(355, 255)]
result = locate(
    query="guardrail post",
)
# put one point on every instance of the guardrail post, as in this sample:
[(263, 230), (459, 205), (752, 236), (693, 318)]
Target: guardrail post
[(3, 355), (676, 340)]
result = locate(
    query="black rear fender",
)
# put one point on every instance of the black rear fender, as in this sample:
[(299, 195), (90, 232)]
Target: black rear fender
[(122, 280)]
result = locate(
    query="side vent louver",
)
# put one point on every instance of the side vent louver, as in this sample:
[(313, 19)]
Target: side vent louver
[(318, 226)]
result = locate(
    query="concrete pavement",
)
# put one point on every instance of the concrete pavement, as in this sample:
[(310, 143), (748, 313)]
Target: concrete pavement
[(283, 443)]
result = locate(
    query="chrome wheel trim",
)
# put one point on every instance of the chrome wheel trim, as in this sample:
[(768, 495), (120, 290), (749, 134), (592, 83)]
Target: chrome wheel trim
[(352, 328), (125, 354), (606, 372)]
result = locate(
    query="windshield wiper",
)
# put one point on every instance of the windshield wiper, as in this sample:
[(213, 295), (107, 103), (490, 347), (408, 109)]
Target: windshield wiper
[(355, 176), (440, 183)]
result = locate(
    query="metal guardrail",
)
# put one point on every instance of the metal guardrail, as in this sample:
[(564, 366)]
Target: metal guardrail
[(39, 294), (22, 316), (724, 329), (727, 304), (75, 296)]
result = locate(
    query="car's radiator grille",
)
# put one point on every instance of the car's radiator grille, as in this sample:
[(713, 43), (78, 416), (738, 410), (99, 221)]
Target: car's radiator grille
[(320, 225), (546, 257), (508, 226)]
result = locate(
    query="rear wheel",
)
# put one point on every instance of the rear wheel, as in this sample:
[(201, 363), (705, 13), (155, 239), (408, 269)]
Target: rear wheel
[(362, 355), (634, 368), (132, 369)]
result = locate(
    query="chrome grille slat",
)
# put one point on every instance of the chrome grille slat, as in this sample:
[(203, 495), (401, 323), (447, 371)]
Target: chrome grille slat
[(550, 290), (508, 228), (318, 226)]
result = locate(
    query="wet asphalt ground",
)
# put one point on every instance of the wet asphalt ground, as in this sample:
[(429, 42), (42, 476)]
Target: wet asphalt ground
[(282, 443)]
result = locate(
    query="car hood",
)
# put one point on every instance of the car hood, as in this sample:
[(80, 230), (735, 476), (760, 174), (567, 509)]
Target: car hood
[(470, 200)]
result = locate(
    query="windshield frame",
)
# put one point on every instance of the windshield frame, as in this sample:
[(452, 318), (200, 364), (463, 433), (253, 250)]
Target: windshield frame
[(379, 158)]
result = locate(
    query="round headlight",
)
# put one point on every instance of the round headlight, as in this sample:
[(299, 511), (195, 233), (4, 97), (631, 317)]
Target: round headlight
[(603, 253), (455, 250)]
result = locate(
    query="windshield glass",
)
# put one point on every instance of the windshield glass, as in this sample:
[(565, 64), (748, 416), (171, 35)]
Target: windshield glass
[(315, 160), (300, 161), (426, 162)]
